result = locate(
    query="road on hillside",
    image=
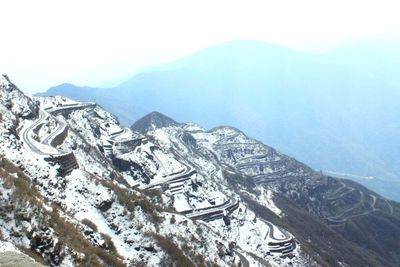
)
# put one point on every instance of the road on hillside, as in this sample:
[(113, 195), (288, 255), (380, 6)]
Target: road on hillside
[(26, 134), (243, 260), (209, 212)]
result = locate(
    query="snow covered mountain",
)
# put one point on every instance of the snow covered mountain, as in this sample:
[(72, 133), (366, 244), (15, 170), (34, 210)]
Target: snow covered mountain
[(336, 111), (77, 188), (152, 121), (327, 215)]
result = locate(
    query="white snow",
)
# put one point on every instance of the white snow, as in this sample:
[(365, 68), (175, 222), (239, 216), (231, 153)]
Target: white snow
[(180, 203), (162, 158), (8, 247), (266, 198)]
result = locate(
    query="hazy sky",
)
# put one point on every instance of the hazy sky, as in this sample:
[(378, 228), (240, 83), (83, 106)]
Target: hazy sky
[(47, 42)]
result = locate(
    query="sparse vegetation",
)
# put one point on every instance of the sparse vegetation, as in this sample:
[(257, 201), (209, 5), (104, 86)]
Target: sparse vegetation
[(232, 245), (154, 195), (67, 233), (326, 245), (130, 200), (8, 166), (175, 256), (90, 224), (109, 244), (34, 255), (23, 188), (197, 258)]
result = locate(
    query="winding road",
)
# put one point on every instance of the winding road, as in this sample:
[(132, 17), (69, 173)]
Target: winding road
[(177, 177), (44, 148), (243, 260), (27, 134), (69, 108), (61, 126), (390, 207), (213, 212), (351, 212)]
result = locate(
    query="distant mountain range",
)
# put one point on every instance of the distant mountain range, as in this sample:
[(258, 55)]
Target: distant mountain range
[(337, 111)]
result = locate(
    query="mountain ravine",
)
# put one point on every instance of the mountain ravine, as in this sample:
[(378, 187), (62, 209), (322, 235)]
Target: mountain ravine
[(78, 189)]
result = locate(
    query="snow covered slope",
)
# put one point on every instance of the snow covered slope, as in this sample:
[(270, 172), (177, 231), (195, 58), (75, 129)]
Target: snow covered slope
[(119, 198), (77, 188), (281, 190)]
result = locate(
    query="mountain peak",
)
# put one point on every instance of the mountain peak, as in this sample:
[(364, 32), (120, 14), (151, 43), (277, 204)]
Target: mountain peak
[(5, 82), (152, 121)]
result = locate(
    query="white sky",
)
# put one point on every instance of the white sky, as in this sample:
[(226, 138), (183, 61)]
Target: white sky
[(47, 42)]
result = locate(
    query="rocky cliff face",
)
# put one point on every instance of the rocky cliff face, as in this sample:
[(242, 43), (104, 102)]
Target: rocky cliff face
[(76, 188)]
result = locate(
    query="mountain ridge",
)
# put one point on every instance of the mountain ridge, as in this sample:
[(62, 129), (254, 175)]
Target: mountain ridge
[(152, 121), (337, 222), (189, 185), (347, 106), (124, 203)]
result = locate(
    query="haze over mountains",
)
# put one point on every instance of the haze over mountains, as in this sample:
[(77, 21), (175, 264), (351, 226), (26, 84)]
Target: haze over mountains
[(336, 111)]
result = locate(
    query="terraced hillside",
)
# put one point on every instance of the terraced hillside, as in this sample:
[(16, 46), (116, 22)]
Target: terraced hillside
[(259, 173), (77, 188), (122, 199)]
